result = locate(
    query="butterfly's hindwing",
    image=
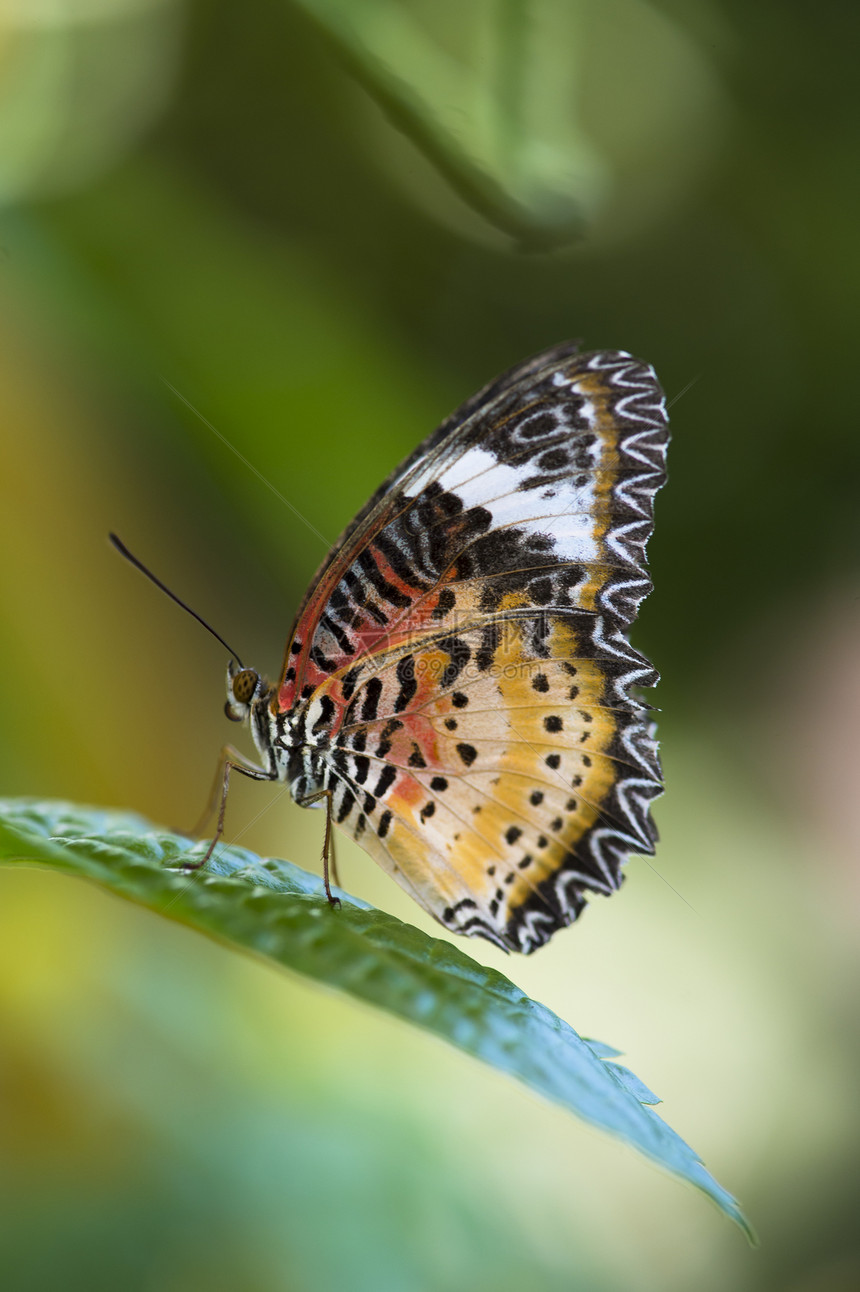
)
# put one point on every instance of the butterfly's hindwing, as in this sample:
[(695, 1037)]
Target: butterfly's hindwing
[(462, 667)]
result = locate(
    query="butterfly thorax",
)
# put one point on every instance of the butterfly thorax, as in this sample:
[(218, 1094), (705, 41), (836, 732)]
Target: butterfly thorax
[(298, 752)]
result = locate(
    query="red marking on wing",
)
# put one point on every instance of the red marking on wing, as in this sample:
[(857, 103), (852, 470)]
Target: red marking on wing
[(406, 791)]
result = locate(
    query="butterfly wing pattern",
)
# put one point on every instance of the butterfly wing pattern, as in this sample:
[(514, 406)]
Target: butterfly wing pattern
[(459, 675)]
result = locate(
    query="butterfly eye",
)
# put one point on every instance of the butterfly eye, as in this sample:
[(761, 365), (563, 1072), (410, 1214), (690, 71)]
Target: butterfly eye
[(244, 686)]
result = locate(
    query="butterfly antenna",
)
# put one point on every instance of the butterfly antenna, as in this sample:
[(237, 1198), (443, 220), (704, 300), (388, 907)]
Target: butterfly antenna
[(138, 565)]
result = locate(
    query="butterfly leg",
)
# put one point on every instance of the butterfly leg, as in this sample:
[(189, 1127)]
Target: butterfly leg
[(230, 758), (328, 861), (332, 861), (216, 793)]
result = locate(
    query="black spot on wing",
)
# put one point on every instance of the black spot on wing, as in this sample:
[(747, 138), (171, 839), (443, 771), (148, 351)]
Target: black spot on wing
[(459, 653), (387, 777), (408, 685), (348, 683), (370, 703), (490, 637), (540, 591), (346, 806), (327, 712), (383, 749), (447, 601)]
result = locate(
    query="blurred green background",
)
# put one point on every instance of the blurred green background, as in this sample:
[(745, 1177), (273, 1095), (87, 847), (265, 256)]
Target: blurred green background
[(323, 225)]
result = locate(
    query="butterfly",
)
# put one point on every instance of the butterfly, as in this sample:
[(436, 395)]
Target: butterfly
[(457, 688)]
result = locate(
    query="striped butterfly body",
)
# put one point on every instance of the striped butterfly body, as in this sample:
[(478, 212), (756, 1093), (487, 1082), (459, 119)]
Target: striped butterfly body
[(457, 684)]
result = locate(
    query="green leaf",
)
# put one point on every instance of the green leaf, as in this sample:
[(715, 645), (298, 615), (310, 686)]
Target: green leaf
[(494, 115), (278, 911)]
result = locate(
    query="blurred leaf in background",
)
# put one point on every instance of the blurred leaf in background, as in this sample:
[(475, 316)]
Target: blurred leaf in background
[(208, 195), (80, 82)]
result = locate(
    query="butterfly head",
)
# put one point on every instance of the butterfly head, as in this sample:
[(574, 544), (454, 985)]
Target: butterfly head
[(244, 686)]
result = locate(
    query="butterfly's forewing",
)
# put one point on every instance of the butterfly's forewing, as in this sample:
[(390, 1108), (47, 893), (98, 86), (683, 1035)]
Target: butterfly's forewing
[(370, 518), (463, 651)]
